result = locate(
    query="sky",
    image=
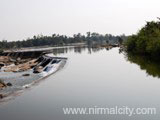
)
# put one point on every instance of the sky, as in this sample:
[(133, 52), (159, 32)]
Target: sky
[(22, 19)]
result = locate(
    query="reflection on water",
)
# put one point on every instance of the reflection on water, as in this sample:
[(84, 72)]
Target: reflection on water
[(151, 67), (79, 49)]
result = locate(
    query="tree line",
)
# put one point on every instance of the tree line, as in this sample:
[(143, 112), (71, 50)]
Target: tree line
[(58, 40)]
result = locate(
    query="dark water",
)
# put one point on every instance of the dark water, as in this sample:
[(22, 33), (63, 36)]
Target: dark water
[(92, 77)]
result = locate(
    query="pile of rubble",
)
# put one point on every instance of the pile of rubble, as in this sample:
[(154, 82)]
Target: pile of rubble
[(8, 64), (19, 67)]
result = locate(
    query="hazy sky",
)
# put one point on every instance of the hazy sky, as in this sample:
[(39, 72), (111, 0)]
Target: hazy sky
[(20, 19)]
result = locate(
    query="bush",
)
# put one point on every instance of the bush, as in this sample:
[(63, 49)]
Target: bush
[(146, 41)]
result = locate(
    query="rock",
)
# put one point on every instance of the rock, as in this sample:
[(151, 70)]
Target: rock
[(26, 75), (1, 64), (33, 66), (9, 84), (38, 69), (1, 96), (18, 59), (2, 84)]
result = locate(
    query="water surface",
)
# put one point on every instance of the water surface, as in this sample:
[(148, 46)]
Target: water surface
[(92, 77)]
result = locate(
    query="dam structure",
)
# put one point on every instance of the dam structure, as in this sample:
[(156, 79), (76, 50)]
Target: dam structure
[(20, 69)]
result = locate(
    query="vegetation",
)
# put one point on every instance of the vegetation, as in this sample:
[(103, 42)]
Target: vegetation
[(150, 66), (56, 40), (146, 41)]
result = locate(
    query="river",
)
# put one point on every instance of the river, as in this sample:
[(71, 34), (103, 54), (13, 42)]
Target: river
[(91, 78)]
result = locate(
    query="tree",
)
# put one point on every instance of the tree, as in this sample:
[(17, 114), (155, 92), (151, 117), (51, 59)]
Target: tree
[(146, 41)]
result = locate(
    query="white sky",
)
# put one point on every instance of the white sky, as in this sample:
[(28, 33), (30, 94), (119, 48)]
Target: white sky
[(20, 19)]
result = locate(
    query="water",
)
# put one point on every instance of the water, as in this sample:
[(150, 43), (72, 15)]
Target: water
[(91, 77)]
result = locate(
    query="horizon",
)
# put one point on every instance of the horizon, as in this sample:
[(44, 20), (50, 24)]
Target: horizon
[(22, 19)]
